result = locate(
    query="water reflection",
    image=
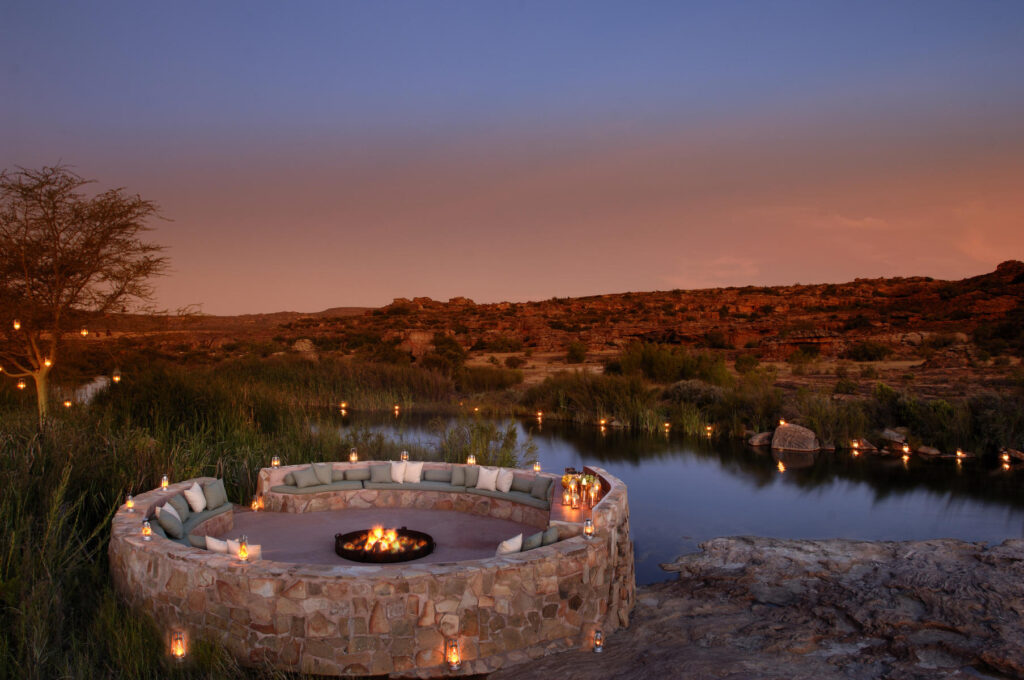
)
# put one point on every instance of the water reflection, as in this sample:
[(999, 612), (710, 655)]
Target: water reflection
[(684, 491)]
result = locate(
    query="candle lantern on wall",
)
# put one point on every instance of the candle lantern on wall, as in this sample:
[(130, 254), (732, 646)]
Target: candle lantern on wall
[(17, 325), (129, 503), (404, 456), (536, 466), (164, 481), (84, 332), (116, 376), (588, 528), (575, 501), (147, 531), (452, 654), (471, 459), (243, 549), (255, 505), (275, 461), (22, 385), (353, 456), (598, 642)]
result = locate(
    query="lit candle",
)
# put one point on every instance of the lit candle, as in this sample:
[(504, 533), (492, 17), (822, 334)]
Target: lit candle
[(906, 448), (84, 332), (129, 503), (598, 642), (343, 405), (471, 459), (259, 497), (588, 528), (536, 466), (178, 646), (164, 481), (452, 655), (566, 497), (602, 422), (781, 422), (47, 362), (21, 385), (667, 426), (593, 495), (116, 377), (575, 501), (243, 549), (540, 414), (67, 403), (255, 505), (1005, 457), (353, 456), (275, 461), (147, 531), (17, 325), (404, 455)]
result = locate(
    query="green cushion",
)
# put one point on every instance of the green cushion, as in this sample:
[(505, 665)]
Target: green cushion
[(157, 529), (550, 536), (337, 475), (541, 488), (318, 488), (514, 496), (444, 475), (180, 505), (380, 473), (171, 524), (521, 483), (533, 541), (215, 494), (472, 475), (419, 486), (289, 479), (322, 472), (197, 541), (458, 476), (306, 477), (198, 518), (358, 474)]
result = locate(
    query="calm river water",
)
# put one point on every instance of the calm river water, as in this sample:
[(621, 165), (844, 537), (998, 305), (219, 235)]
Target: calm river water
[(683, 491)]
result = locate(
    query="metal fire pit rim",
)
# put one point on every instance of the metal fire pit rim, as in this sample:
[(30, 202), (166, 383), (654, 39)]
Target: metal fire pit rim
[(378, 558)]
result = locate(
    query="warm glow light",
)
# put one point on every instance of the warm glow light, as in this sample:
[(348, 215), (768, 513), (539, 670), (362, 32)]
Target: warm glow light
[(668, 426), (598, 642), (1006, 466), (471, 459), (396, 408), (593, 495), (164, 481), (566, 497), (343, 405), (575, 501), (959, 454), (452, 655), (259, 497), (536, 466), (275, 461), (116, 377), (21, 385), (129, 503), (178, 646), (47, 362), (540, 414), (84, 332), (1005, 457), (67, 403), (781, 422), (17, 325), (906, 458), (255, 505), (781, 466), (906, 448), (147, 531), (404, 455), (602, 422), (243, 549), (476, 409), (353, 456), (855, 445), (588, 528)]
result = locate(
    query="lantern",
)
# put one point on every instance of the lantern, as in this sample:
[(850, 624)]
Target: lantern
[(708, 428), (602, 422), (255, 505), (67, 403), (588, 528), (540, 414), (566, 497), (960, 454), (781, 422), (164, 481), (598, 642), (243, 549), (593, 495), (47, 362), (536, 466), (476, 409), (471, 459), (84, 332), (147, 531), (178, 645), (275, 461), (17, 325), (116, 376), (452, 655), (21, 385), (575, 501), (343, 405), (906, 449), (353, 456), (129, 503), (667, 426), (404, 455), (1005, 457)]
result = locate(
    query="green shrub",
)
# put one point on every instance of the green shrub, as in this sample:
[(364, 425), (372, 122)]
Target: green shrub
[(868, 350), (666, 364), (746, 363), (575, 352)]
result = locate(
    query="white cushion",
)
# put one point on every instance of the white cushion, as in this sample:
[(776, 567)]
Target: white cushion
[(196, 498), (169, 509), (156, 510), (487, 478), (398, 471), (414, 472), (504, 483), (216, 545), (512, 545), (233, 547), (255, 552)]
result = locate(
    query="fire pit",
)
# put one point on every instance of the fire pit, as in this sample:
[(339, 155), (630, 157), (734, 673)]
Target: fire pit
[(380, 546)]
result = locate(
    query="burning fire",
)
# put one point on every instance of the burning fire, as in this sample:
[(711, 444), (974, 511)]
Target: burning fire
[(381, 540)]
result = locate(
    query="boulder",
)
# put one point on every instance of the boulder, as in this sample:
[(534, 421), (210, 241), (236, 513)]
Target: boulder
[(761, 439), (928, 451), (894, 436), (791, 437), (304, 345)]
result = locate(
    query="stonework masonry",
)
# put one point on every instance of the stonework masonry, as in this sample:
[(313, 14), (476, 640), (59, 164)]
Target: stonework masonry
[(360, 620)]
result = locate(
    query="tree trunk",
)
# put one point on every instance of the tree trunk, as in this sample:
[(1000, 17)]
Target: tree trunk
[(42, 393)]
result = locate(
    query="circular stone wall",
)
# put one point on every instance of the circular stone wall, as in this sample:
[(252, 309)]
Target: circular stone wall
[(388, 619)]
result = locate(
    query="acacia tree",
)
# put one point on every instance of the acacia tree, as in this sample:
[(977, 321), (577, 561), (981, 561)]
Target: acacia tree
[(65, 258)]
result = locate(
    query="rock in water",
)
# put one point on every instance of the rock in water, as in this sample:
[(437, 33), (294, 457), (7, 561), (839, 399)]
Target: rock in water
[(761, 439), (791, 437)]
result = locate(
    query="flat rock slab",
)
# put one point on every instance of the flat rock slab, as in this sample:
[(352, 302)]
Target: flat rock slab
[(759, 608), (308, 538)]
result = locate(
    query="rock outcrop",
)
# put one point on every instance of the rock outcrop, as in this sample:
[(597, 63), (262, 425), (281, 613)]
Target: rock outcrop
[(790, 437), (771, 609)]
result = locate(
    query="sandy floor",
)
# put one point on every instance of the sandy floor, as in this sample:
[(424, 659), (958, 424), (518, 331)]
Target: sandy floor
[(308, 538)]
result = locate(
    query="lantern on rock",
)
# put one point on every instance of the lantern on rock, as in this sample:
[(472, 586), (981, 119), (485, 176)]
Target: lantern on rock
[(275, 461), (588, 528), (129, 503), (147, 531), (536, 466), (116, 376), (178, 646), (164, 482), (598, 642), (471, 459), (452, 654), (243, 549)]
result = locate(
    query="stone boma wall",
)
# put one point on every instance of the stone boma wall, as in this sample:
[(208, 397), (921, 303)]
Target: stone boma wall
[(394, 619)]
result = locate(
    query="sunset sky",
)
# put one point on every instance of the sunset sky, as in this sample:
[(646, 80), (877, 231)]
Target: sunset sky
[(319, 154)]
